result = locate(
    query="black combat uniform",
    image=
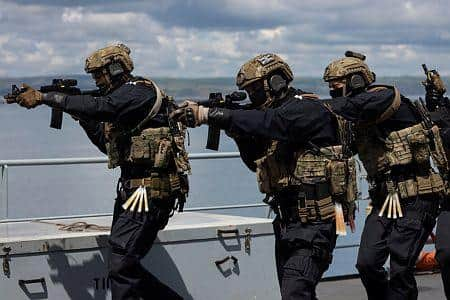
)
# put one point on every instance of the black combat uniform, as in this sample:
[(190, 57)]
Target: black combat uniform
[(132, 234), (442, 118), (303, 251), (401, 238)]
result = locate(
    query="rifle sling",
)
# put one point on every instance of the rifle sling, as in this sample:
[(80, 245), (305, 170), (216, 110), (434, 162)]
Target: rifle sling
[(153, 111)]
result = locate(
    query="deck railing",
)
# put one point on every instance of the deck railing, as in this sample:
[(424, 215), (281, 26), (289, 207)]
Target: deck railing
[(6, 164)]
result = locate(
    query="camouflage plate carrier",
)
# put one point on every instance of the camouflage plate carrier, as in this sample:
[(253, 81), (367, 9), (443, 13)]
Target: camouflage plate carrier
[(332, 166), (410, 148), (161, 150)]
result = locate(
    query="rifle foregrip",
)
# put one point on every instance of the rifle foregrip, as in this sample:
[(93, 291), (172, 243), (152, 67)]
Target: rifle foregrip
[(213, 138), (56, 118)]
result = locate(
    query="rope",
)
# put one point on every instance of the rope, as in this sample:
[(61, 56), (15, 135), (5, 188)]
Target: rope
[(77, 226)]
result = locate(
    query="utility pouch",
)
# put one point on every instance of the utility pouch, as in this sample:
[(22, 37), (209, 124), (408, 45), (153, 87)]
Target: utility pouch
[(272, 171), (262, 175), (398, 149), (430, 184), (175, 184), (407, 188), (409, 145), (311, 168), (338, 177), (271, 175), (153, 146), (419, 143), (352, 188), (325, 207), (438, 153), (160, 187), (437, 183), (140, 149), (164, 153), (112, 149), (181, 157)]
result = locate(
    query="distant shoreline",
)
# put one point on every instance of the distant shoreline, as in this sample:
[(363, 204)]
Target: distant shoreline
[(85, 76)]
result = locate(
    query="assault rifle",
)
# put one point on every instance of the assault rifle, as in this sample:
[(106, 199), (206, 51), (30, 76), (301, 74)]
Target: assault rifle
[(435, 90), (231, 101), (59, 85)]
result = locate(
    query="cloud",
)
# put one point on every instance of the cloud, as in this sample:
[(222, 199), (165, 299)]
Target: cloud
[(72, 15), (201, 38)]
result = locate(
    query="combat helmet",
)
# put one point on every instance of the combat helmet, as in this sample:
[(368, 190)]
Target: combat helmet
[(262, 67), (352, 68), (109, 55), (110, 66)]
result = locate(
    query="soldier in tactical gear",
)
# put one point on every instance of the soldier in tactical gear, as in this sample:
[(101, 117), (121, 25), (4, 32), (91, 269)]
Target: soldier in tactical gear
[(441, 116), (298, 149), (395, 140), (130, 123)]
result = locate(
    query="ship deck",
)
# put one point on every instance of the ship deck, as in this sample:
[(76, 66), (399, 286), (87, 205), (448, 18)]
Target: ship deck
[(429, 285), (25, 233)]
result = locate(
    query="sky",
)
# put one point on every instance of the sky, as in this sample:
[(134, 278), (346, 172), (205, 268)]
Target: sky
[(208, 38)]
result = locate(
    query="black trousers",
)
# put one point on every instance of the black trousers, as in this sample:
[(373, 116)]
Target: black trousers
[(132, 236), (443, 248), (402, 239), (303, 252)]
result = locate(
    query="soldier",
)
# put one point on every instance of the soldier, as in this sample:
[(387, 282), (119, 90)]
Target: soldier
[(443, 225), (439, 111), (129, 122), (395, 141), (443, 222), (298, 149)]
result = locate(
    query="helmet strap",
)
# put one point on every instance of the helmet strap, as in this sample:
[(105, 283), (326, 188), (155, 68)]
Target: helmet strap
[(108, 83), (115, 81), (269, 97)]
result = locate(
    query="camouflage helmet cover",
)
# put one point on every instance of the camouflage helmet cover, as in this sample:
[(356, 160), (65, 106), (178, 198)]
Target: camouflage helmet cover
[(351, 64), (105, 56), (260, 67)]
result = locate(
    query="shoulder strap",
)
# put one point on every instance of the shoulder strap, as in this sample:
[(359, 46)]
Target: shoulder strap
[(158, 102), (344, 131), (156, 107), (394, 105)]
